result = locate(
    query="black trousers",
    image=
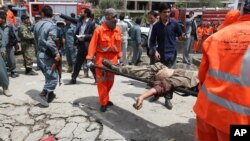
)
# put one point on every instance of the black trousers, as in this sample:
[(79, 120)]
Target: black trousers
[(80, 58)]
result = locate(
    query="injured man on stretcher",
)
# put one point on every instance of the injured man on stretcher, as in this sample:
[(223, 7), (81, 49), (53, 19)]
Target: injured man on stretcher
[(162, 79)]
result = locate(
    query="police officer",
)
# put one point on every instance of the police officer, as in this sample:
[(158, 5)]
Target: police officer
[(4, 79), (27, 39), (45, 36), (69, 32)]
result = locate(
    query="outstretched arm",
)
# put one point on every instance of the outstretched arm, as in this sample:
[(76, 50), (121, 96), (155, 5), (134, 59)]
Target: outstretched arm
[(139, 101)]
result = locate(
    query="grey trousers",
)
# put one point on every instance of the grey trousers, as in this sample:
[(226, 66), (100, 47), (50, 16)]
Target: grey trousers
[(137, 52), (11, 59), (51, 76), (4, 79), (187, 46)]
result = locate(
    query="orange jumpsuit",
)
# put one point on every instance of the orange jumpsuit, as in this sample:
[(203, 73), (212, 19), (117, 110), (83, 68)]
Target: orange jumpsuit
[(208, 30), (197, 44), (223, 98), (11, 17), (105, 44)]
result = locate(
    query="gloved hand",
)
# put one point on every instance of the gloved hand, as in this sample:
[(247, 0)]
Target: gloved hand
[(90, 64)]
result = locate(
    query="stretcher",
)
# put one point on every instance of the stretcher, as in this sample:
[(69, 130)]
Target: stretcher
[(178, 90)]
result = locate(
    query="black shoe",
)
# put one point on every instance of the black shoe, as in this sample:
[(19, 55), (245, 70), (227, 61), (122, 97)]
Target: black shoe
[(168, 104), (51, 97), (71, 82), (43, 98), (110, 103), (103, 108), (14, 74), (153, 99), (31, 72)]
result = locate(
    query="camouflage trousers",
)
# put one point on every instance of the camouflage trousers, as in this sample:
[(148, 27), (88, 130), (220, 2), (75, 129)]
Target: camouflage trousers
[(184, 75), (28, 52), (146, 72)]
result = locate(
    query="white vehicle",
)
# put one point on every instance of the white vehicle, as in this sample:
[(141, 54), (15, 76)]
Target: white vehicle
[(144, 31)]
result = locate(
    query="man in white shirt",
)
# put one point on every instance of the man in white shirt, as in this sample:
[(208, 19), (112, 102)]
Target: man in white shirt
[(152, 19), (124, 29)]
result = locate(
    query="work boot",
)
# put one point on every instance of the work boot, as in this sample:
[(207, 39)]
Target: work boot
[(109, 65), (14, 74), (51, 97), (103, 108), (44, 98), (6, 91), (70, 69), (85, 73), (168, 104), (29, 71)]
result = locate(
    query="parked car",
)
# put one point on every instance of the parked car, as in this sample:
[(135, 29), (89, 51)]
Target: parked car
[(144, 31), (131, 23)]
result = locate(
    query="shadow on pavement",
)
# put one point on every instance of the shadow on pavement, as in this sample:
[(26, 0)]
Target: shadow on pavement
[(133, 127), (34, 94), (66, 82)]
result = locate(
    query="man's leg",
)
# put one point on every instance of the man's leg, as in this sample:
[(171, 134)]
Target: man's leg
[(69, 59), (124, 52), (102, 87), (78, 65), (206, 132), (4, 81), (28, 54), (186, 50), (11, 61)]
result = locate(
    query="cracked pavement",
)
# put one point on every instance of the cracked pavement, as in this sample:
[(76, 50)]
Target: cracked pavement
[(74, 114)]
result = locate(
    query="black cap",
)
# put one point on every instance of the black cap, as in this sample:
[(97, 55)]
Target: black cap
[(246, 7), (23, 17)]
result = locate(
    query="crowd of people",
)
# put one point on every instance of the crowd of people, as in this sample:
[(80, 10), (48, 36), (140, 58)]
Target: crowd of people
[(224, 65)]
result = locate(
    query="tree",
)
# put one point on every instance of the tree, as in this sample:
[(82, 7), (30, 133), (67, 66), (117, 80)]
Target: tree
[(211, 3), (116, 4)]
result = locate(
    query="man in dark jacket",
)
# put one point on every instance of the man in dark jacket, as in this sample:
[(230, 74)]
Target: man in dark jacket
[(84, 30)]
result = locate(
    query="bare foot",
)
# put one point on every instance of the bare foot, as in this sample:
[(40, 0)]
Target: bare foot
[(138, 104)]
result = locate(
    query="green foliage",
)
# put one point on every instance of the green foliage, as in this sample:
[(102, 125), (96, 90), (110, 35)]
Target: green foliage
[(211, 3), (116, 4), (180, 4), (97, 11)]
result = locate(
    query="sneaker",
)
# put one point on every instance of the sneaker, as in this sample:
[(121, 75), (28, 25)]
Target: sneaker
[(14, 74), (31, 73), (43, 98), (110, 103), (168, 104), (103, 108), (6, 92)]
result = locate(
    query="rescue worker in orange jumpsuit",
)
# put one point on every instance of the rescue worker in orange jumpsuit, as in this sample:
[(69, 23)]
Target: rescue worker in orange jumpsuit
[(106, 43), (197, 44), (208, 30), (10, 16), (230, 18), (224, 78)]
